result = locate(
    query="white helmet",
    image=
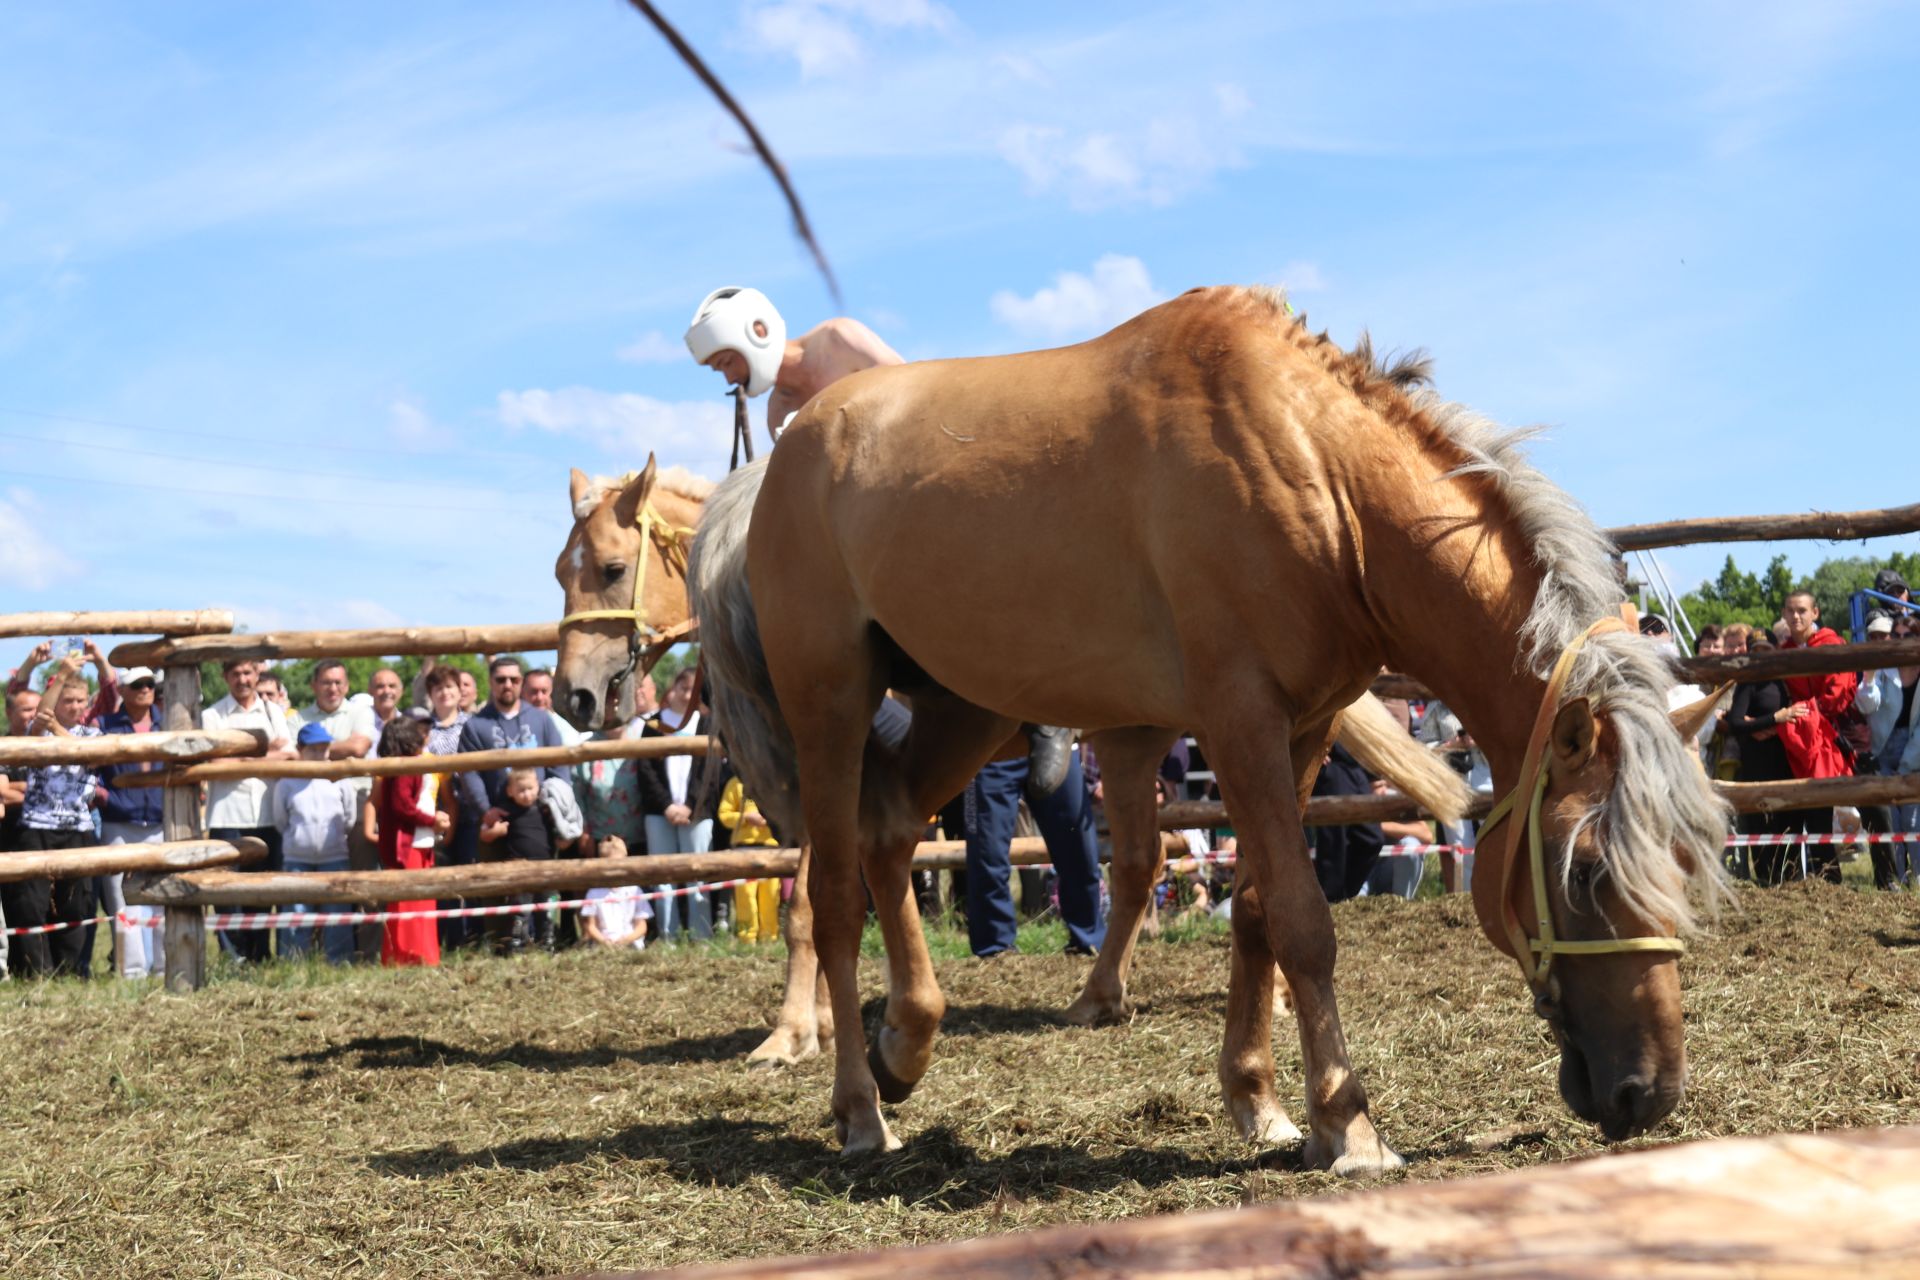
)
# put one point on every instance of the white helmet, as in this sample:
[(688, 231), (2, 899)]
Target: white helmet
[(726, 321)]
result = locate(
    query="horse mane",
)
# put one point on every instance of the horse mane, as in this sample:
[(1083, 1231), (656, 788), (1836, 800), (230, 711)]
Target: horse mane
[(1649, 812), (676, 480)]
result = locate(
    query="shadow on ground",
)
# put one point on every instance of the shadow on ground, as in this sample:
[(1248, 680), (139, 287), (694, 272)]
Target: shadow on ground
[(376, 1053), (935, 1168)]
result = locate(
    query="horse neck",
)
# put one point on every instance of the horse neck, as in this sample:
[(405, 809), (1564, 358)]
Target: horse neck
[(1450, 582)]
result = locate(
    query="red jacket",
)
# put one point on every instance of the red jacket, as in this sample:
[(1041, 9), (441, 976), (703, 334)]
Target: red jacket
[(1813, 744)]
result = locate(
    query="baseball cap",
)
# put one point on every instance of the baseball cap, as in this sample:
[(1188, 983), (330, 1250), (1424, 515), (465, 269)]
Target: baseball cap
[(315, 734), (134, 675), (1888, 582), (1879, 624)]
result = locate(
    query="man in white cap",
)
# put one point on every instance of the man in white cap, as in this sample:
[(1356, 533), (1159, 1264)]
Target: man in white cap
[(740, 333)]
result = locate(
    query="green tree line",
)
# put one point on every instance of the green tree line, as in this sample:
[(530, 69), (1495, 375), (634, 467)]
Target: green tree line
[(1756, 599)]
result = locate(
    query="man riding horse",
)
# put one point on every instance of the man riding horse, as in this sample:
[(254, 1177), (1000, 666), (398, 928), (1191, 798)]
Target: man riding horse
[(740, 333)]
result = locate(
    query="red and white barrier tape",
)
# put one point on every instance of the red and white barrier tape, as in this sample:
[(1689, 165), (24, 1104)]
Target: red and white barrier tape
[(293, 919)]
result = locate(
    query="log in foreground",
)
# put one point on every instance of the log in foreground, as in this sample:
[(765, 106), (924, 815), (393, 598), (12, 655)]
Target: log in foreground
[(132, 748), (692, 744), (422, 642), (499, 879), (130, 622), (1793, 1207), (111, 860), (1832, 526)]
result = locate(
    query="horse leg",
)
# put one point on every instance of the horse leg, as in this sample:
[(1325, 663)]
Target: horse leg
[(796, 1033), (1129, 759), (1280, 900), (1255, 986), (946, 745)]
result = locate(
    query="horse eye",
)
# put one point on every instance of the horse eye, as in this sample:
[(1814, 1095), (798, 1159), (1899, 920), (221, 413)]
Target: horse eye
[(1582, 877), (613, 572)]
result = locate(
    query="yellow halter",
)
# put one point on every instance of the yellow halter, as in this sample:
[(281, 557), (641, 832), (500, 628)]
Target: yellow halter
[(1533, 786)]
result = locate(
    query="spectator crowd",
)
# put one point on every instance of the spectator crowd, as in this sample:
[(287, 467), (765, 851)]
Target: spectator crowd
[(1822, 726)]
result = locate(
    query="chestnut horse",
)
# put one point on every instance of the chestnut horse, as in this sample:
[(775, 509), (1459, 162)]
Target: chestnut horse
[(1208, 517), (627, 531)]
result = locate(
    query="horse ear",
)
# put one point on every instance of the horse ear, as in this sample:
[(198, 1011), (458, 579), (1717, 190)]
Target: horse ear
[(634, 495), (1689, 720), (1574, 732), (578, 484)]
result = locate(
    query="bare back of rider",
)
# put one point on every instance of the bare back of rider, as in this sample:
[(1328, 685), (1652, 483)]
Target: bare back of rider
[(819, 358)]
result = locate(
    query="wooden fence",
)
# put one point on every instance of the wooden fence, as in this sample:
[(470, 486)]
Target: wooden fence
[(189, 637)]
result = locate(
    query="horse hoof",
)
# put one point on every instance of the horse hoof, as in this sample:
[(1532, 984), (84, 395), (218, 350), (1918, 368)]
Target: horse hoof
[(784, 1048), (1369, 1159), (892, 1088), (1265, 1123), (1098, 1012), (874, 1139)]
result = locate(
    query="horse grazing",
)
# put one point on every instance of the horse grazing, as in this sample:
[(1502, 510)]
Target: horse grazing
[(1239, 523)]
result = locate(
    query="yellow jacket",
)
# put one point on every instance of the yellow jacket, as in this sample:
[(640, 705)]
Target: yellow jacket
[(734, 806)]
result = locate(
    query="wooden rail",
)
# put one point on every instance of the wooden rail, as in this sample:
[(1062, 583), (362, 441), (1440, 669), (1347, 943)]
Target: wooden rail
[(1832, 526), (500, 879), (132, 748), (692, 744), (1792, 1207), (163, 622), (1774, 664), (109, 860), (374, 643)]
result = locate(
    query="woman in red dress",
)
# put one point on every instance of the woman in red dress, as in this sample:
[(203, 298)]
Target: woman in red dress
[(406, 812)]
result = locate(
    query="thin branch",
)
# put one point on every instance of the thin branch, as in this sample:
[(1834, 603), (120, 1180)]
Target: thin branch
[(699, 68)]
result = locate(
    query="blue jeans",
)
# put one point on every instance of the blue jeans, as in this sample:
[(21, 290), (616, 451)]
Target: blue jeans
[(1065, 819), (336, 940), (1906, 817), (683, 913)]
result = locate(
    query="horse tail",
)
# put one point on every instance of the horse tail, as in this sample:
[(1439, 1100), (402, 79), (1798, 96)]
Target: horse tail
[(1383, 745), (746, 713)]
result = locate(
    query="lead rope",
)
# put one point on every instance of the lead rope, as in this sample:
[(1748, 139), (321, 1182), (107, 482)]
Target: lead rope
[(742, 433)]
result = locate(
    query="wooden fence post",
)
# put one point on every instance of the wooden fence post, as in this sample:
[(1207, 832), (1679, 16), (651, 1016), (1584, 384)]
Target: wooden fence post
[(185, 930)]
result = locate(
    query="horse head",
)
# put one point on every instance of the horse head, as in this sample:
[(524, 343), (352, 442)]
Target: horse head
[(599, 571), (1622, 834)]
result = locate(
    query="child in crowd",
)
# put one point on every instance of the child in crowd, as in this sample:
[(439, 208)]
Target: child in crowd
[(616, 917), (519, 830), (756, 904), (313, 816), (406, 813)]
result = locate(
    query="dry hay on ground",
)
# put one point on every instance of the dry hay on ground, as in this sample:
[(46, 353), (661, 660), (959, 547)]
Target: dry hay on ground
[(590, 1111)]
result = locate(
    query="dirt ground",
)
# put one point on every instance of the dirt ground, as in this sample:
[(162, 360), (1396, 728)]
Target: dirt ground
[(591, 1111)]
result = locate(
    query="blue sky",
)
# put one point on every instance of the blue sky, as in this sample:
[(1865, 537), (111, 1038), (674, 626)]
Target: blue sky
[(306, 309)]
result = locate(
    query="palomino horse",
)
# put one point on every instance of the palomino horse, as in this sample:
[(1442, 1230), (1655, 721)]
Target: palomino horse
[(626, 538), (1207, 517)]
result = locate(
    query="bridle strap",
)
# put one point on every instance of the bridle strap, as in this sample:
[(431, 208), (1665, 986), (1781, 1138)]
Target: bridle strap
[(1531, 790), (645, 641)]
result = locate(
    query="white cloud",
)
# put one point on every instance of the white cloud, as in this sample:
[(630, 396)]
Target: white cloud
[(653, 347), (693, 433), (412, 425), (1079, 306), (27, 558), (821, 34), (1300, 276), (1155, 162)]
